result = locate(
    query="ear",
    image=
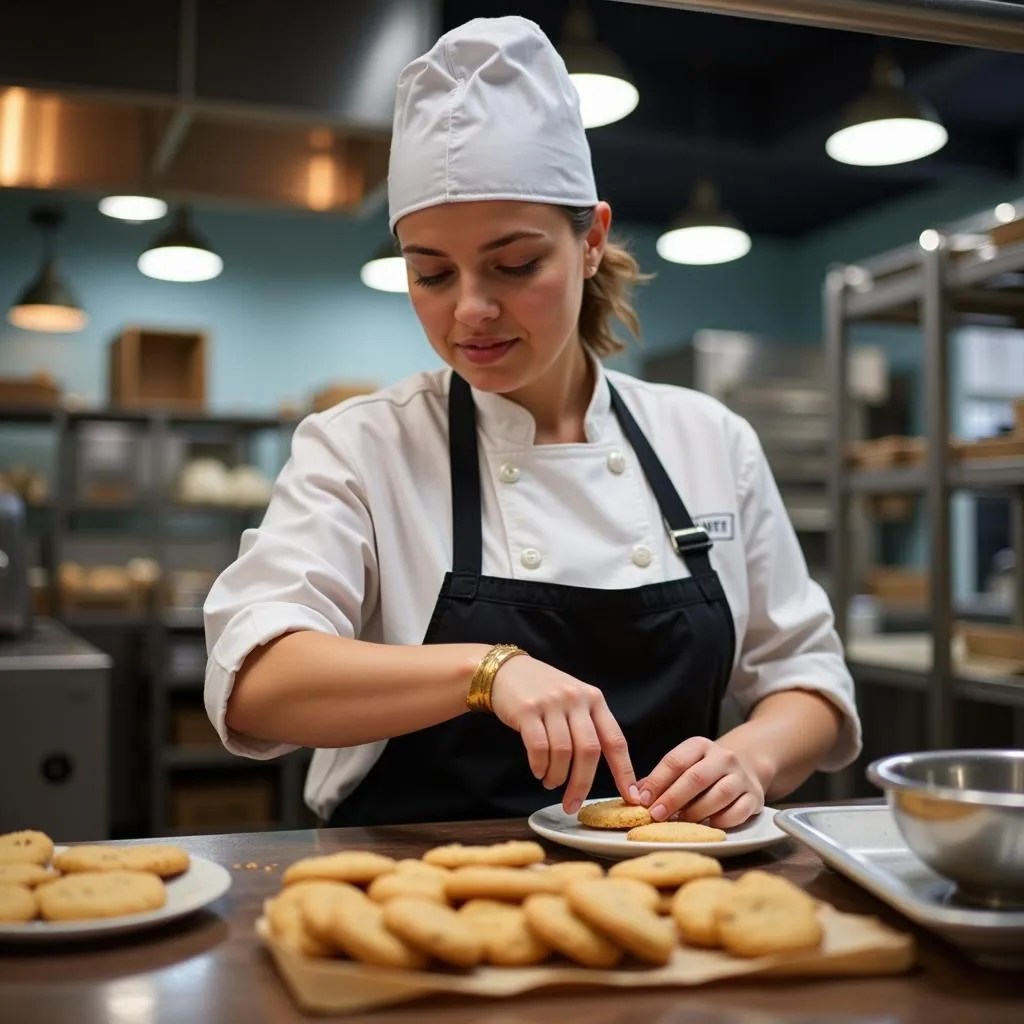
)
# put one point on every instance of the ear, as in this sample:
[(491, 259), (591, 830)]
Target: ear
[(596, 239)]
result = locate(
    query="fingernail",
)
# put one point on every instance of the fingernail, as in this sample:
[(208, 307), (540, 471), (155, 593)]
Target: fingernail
[(574, 807), (658, 812), (634, 794), (645, 797)]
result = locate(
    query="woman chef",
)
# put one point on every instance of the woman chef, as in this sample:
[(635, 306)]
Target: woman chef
[(490, 581)]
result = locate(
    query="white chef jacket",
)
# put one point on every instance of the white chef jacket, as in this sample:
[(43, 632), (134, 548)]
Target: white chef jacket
[(358, 537)]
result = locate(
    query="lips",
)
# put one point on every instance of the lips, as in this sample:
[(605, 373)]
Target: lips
[(486, 350)]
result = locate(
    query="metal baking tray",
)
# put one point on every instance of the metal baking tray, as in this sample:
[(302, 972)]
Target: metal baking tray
[(864, 843)]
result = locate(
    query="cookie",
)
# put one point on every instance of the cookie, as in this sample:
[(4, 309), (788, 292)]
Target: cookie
[(90, 858), (508, 884), (420, 867), (569, 870), (513, 854), (668, 869), (613, 814), (752, 924), (284, 913), (620, 918), (639, 892), (22, 873), (17, 904), (98, 894), (694, 907), (435, 930), (675, 832), (554, 923), (26, 847), (398, 884), (357, 867), (762, 881), (350, 921), (156, 858), (507, 939)]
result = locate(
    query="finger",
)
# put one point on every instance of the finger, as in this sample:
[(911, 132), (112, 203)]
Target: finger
[(726, 791), (586, 753), (616, 752), (693, 782), (670, 767), (737, 812), (535, 739), (559, 749)]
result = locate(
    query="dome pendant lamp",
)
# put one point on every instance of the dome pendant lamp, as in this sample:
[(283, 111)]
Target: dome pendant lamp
[(705, 234), (181, 254), (48, 304), (385, 271), (887, 126), (605, 89)]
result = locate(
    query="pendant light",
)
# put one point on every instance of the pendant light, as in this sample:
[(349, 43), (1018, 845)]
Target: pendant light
[(888, 125), (605, 89), (47, 303), (180, 254), (385, 271), (133, 209), (705, 234)]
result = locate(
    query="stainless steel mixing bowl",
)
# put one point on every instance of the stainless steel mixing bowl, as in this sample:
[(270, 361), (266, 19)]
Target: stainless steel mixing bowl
[(962, 813)]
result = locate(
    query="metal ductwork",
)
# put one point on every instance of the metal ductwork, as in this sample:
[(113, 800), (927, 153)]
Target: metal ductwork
[(246, 103)]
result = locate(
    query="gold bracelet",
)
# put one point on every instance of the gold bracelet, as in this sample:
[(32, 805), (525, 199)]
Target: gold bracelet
[(479, 696)]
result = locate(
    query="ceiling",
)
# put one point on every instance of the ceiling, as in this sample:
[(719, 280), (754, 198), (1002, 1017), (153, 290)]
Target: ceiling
[(752, 103), (259, 102)]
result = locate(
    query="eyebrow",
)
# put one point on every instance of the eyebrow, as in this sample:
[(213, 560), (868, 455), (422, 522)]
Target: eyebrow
[(497, 243)]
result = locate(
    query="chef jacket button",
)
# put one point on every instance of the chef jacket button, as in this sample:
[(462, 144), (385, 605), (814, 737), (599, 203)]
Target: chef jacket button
[(642, 556), (530, 558), (617, 462), (508, 474)]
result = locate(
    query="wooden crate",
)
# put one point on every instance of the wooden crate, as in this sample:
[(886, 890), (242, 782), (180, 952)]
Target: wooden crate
[(1007, 234), (893, 586), (37, 390), (191, 727), (1005, 643), (158, 369), (885, 452), (223, 806), (334, 394)]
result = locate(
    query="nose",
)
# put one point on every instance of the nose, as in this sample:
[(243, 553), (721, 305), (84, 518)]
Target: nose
[(474, 306)]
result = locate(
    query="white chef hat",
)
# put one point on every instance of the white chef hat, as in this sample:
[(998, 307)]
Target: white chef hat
[(489, 112)]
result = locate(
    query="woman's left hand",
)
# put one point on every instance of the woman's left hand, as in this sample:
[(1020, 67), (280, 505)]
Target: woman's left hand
[(701, 779)]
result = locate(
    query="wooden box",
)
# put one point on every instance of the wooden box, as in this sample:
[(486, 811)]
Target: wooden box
[(158, 369), (885, 452), (334, 394), (37, 390), (222, 807), (1004, 643), (1007, 234), (899, 586), (191, 727)]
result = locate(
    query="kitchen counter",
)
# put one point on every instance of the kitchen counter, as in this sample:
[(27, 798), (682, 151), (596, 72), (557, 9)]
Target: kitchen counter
[(211, 967)]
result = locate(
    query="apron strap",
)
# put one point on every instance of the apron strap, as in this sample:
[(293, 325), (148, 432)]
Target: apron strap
[(689, 541), (467, 518)]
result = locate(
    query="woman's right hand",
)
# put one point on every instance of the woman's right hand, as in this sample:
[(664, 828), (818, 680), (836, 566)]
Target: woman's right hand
[(565, 725)]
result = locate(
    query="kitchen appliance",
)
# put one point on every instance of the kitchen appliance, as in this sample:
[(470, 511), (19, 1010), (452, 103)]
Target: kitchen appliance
[(15, 596), (54, 734)]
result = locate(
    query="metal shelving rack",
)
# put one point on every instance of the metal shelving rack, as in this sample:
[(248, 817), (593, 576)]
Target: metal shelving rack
[(954, 276), (160, 627)]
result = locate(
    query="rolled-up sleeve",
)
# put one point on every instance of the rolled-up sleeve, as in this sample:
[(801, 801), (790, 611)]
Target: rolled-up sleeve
[(310, 565), (790, 641)]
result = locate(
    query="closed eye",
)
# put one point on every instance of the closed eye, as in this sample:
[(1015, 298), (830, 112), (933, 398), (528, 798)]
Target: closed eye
[(522, 269)]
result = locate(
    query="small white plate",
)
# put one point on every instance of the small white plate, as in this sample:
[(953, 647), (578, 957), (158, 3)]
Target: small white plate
[(554, 824), (198, 887)]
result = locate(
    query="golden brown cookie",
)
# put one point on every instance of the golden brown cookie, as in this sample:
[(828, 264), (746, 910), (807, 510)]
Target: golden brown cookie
[(77, 859), (419, 867), (516, 853), (667, 869), (642, 893), (17, 904), (511, 885), (613, 814), (752, 924), (288, 924), (434, 929), (357, 867), (620, 918), (350, 921), (570, 870), (22, 873), (156, 858), (694, 907), (762, 881), (675, 832), (28, 847), (99, 894), (400, 884), (554, 923), (508, 941)]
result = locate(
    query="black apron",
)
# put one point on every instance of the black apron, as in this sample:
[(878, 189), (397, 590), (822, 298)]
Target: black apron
[(661, 654)]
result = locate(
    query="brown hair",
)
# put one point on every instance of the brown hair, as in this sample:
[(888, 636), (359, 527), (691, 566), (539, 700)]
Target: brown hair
[(607, 296)]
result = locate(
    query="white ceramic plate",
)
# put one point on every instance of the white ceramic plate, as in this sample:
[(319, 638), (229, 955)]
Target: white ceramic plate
[(203, 883), (554, 824)]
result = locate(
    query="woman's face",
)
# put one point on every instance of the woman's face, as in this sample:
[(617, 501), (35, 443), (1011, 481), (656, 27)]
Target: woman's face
[(497, 286)]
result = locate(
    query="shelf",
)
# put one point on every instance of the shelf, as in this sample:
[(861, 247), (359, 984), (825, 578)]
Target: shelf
[(1007, 690), (966, 474), (205, 757), (907, 480), (183, 619), (104, 620), (28, 414), (189, 683), (888, 675)]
